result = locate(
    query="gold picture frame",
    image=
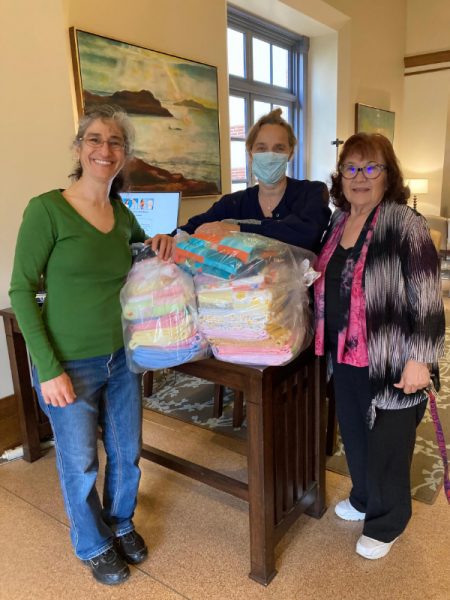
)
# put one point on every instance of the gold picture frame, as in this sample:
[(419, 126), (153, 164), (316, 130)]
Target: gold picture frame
[(172, 102), (369, 119)]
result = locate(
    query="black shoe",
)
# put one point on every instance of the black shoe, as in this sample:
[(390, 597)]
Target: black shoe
[(108, 567), (131, 547)]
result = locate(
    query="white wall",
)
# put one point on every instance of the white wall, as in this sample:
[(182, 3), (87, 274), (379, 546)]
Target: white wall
[(323, 106), (289, 14), (37, 123), (445, 200), (425, 114), (426, 138), (428, 26), (372, 47)]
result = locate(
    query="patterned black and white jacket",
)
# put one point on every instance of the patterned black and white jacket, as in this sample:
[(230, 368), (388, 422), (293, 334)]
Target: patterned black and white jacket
[(404, 308)]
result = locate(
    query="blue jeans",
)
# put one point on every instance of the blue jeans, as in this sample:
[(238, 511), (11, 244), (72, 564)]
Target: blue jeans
[(109, 397)]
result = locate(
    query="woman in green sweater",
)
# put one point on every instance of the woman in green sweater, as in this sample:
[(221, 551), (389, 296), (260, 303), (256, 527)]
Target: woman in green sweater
[(79, 239)]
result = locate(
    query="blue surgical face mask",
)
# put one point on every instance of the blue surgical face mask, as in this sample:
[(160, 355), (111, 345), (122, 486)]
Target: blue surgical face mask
[(269, 167)]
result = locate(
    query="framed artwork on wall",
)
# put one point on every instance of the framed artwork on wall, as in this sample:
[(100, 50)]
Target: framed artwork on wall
[(369, 119), (172, 103)]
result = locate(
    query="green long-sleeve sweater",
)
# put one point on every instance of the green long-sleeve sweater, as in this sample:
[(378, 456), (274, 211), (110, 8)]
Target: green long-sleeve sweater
[(84, 270)]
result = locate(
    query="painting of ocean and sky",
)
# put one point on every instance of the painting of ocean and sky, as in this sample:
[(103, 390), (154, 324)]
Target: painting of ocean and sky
[(172, 103)]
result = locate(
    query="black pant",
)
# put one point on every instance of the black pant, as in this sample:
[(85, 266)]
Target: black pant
[(379, 459)]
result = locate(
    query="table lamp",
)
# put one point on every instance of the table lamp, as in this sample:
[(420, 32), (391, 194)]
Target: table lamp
[(417, 187)]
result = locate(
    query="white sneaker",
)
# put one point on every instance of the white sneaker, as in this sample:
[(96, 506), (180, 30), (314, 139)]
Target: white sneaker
[(373, 549), (346, 511)]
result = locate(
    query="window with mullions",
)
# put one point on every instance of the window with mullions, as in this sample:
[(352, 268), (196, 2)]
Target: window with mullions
[(267, 70)]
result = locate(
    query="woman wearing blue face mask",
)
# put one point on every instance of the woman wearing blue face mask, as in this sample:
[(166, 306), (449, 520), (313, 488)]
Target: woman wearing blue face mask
[(290, 210)]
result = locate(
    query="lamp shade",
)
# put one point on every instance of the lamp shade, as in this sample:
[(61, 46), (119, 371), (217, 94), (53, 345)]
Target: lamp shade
[(418, 186)]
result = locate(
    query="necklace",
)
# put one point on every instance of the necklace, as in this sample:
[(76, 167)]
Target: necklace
[(268, 205)]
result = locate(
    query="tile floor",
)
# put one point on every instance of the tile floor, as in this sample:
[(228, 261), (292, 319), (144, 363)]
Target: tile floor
[(198, 538)]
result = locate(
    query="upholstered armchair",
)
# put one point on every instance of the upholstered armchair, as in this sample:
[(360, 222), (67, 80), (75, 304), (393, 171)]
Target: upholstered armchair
[(438, 225), (439, 230)]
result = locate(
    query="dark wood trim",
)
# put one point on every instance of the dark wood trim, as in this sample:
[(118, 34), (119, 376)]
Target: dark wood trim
[(8, 405), (10, 435), (302, 506), (34, 424), (431, 58), (427, 71)]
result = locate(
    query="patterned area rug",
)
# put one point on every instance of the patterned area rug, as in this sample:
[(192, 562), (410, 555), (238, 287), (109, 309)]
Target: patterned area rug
[(427, 469), (191, 399)]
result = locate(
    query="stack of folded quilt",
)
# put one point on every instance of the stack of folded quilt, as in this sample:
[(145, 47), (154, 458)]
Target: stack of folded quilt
[(223, 256), (159, 317), (257, 312)]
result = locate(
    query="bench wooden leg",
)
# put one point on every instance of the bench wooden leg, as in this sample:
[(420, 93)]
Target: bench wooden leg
[(238, 405), (147, 383), (218, 400), (331, 442), (238, 408)]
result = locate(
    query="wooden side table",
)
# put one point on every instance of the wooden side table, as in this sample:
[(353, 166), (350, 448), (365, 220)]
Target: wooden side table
[(286, 422), (34, 425)]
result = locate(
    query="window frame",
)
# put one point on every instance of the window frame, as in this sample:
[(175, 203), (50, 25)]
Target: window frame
[(246, 87)]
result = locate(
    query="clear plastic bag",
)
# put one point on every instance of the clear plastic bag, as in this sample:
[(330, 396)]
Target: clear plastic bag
[(252, 296), (159, 317)]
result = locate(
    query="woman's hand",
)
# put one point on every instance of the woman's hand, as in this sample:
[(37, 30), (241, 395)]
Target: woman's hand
[(217, 228), (162, 244), (58, 391), (415, 376)]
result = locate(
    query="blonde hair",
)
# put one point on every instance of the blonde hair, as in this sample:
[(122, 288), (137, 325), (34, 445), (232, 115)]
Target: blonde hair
[(272, 118)]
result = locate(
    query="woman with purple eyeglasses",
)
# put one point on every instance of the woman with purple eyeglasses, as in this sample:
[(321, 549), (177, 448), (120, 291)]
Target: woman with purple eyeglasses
[(380, 319)]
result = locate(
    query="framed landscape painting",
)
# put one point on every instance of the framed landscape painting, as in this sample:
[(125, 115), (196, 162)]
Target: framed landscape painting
[(172, 103), (369, 119)]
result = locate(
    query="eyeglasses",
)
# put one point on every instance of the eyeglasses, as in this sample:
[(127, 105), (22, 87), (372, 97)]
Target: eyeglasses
[(371, 171), (96, 141)]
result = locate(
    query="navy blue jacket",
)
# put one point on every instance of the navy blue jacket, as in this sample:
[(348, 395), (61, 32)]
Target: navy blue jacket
[(300, 218)]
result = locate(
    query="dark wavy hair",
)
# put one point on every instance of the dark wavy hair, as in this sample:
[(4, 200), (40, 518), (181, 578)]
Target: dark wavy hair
[(106, 112), (367, 146)]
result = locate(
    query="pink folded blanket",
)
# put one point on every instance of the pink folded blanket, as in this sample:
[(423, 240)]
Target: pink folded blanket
[(172, 319)]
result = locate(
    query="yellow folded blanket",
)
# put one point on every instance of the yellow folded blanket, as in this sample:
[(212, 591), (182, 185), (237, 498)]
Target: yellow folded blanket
[(161, 337)]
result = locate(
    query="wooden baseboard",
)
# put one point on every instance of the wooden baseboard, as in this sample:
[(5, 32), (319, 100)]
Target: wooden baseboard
[(9, 424)]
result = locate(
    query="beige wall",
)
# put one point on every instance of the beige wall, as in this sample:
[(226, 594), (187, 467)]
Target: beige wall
[(425, 135), (445, 199), (374, 44), (428, 26), (355, 59), (36, 122), (426, 131), (37, 104)]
